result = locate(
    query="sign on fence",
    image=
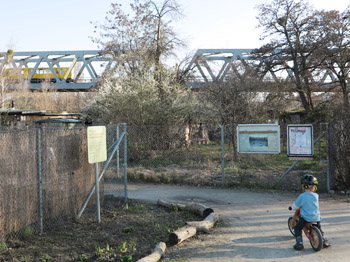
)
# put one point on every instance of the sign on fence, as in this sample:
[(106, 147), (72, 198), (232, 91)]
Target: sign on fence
[(258, 138), (300, 140), (97, 152), (97, 148)]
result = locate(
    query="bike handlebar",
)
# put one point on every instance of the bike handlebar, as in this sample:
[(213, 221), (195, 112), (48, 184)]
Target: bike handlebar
[(290, 208)]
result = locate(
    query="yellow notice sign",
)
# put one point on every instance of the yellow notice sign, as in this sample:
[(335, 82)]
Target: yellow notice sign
[(97, 149)]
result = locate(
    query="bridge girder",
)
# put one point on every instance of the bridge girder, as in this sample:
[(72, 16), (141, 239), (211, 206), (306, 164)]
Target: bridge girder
[(210, 66), (85, 68)]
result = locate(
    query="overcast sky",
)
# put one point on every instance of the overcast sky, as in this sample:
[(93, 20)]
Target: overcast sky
[(42, 25)]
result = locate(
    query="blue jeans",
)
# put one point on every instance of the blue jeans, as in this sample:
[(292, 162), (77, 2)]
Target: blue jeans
[(300, 225)]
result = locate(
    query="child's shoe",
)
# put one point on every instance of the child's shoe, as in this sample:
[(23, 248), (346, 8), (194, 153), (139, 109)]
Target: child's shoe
[(299, 246), (326, 243)]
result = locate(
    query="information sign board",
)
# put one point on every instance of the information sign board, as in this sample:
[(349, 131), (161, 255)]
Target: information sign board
[(97, 148), (300, 140), (258, 138)]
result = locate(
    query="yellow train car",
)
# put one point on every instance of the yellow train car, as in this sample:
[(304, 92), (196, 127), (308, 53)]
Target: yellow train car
[(41, 74)]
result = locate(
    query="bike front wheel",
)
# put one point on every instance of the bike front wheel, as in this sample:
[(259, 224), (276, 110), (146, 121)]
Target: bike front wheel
[(317, 240), (291, 224)]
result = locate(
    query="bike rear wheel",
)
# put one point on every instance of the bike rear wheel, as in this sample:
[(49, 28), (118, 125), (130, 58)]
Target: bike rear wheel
[(317, 240), (291, 225)]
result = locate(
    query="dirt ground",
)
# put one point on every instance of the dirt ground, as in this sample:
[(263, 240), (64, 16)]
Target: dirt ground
[(252, 227), (254, 224), (126, 233)]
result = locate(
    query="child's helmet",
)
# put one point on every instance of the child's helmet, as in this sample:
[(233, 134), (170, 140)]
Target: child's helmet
[(308, 180)]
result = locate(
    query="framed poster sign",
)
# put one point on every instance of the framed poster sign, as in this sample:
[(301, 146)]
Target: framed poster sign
[(300, 140), (258, 138)]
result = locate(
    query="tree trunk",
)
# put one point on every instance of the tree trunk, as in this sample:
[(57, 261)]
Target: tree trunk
[(156, 254), (182, 234)]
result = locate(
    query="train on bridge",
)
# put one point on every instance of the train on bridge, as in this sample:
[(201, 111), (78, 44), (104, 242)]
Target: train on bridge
[(39, 75)]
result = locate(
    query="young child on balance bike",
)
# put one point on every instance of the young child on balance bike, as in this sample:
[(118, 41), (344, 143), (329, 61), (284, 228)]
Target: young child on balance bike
[(309, 210)]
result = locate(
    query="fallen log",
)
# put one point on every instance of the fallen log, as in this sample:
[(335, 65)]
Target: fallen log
[(156, 254), (200, 209), (181, 234), (197, 208), (205, 224), (169, 205)]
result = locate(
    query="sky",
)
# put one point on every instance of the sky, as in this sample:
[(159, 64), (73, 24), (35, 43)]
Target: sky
[(42, 25)]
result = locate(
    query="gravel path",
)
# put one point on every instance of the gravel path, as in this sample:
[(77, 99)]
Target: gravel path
[(254, 224)]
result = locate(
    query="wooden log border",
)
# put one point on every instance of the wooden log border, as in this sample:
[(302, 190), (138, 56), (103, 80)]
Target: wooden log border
[(190, 229), (196, 208), (156, 254)]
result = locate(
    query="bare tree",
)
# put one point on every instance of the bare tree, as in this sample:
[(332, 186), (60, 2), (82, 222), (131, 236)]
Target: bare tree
[(296, 34), (338, 51), (145, 36), (139, 42)]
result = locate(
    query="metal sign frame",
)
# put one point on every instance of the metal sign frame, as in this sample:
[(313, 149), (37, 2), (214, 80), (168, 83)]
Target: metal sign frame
[(258, 138), (300, 140)]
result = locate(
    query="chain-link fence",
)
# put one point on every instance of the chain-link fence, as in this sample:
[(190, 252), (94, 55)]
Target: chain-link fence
[(339, 154), (275, 170), (45, 176), (18, 188), (196, 155)]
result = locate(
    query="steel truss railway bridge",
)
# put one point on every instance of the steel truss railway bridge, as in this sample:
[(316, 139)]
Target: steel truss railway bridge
[(210, 66), (84, 68)]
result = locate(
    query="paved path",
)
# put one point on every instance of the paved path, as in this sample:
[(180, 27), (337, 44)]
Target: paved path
[(254, 225)]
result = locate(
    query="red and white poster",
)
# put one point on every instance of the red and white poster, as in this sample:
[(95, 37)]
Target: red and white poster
[(300, 140)]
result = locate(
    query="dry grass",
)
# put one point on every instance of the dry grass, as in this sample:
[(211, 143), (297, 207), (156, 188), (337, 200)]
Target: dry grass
[(126, 233)]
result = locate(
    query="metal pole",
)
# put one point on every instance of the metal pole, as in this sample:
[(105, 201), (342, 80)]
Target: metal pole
[(101, 175), (125, 165), (223, 154), (97, 193), (289, 169), (328, 166), (118, 165), (40, 190), (297, 161)]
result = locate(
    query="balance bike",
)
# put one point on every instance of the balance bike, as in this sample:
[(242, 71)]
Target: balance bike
[(311, 231)]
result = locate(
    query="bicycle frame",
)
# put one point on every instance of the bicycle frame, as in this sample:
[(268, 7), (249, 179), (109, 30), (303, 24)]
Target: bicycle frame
[(306, 228)]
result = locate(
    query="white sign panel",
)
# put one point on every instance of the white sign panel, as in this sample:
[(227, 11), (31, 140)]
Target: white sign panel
[(97, 148), (258, 138), (300, 140)]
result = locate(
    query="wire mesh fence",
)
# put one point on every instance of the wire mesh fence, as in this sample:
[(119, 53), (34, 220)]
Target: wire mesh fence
[(17, 161), (117, 168), (45, 177), (196, 155), (54, 161), (339, 154)]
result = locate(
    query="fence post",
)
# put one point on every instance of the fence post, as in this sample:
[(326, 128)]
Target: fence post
[(125, 165), (97, 186), (222, 154), (40, 190), (115, 146), (328, 159), (117, 156)]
